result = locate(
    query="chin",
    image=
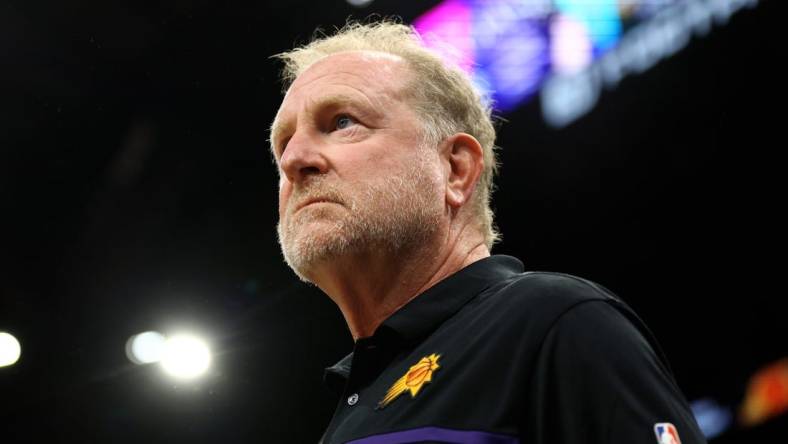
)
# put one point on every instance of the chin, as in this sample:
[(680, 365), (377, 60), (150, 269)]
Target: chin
[(305, 252)]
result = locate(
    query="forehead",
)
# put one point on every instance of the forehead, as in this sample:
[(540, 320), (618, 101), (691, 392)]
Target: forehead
[(369, 71), (370, 78)]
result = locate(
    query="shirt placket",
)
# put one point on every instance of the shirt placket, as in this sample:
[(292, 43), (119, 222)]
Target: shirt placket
[(366, 365)]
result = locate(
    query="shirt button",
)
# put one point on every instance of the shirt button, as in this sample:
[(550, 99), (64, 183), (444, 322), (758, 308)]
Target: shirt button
[(352, 399)]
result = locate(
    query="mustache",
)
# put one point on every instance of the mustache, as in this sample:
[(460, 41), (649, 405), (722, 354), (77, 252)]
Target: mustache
[(316, 189)]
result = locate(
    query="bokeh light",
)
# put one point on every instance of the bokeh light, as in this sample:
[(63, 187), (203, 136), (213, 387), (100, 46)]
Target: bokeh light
[(10, 350), (186, 356), (145, 348), (360, 3)]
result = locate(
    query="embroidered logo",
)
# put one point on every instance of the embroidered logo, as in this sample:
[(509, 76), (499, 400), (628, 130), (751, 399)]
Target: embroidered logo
[(414, 379), (666, 433)]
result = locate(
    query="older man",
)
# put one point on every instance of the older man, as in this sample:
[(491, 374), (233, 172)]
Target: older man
[(386, 162)]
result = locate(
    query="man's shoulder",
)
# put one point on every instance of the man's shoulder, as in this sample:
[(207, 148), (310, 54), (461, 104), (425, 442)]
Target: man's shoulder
[(531, 303), (545, 291)]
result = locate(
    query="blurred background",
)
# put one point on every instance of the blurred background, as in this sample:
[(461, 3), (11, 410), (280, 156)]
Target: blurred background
[(640, 149)]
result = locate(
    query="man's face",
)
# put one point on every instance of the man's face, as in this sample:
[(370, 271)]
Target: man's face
[(354, 176)]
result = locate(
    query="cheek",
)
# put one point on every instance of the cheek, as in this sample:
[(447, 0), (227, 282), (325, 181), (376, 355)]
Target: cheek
[(285, 190)]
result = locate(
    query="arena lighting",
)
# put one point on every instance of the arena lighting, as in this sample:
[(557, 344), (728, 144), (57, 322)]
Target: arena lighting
[(9, 349), (567, 51), (145, 348), (713, 418), (185, 356), (571, 50), (767, 394), (567, 97), (359, 3)]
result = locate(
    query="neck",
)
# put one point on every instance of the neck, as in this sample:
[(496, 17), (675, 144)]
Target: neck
[(370, 286)]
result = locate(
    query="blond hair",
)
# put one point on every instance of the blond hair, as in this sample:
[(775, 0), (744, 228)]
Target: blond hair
[(442, 95)]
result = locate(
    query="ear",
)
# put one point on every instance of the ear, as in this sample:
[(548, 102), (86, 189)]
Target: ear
[(464, 160)]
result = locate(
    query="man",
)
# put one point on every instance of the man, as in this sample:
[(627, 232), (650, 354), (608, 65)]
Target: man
[(386, 163)]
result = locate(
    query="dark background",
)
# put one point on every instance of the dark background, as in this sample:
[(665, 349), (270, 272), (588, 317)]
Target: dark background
[(137, 193)]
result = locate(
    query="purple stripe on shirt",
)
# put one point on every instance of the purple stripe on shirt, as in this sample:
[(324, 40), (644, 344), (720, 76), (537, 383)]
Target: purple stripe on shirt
[(438, 434)]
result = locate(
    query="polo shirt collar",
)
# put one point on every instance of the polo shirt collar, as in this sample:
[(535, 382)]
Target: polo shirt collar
[(424, 313)]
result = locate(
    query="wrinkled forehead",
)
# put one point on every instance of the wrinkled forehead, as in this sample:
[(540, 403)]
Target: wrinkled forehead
[(364, 63), (368, 72), (378, 78)]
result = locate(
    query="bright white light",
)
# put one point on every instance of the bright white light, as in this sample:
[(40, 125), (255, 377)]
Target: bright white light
[(359, 3), (185, 356), (572, 49), (145, 348), (9, 349)]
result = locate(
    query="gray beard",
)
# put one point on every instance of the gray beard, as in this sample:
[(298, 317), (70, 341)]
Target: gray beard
[(397, 215)]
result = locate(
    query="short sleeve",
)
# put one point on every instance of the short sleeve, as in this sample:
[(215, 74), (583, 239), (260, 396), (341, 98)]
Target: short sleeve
[(599, 380)]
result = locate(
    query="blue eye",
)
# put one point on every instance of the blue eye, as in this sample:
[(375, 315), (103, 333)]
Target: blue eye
[(344, 121)]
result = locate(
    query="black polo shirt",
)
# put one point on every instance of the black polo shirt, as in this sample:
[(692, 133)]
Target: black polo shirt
[(494, 355)]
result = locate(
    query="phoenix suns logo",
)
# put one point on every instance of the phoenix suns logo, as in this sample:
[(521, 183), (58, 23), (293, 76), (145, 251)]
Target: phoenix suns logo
[(415, 378)]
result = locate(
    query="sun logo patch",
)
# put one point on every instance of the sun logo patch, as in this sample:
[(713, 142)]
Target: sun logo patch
[(414, 379), (666, 433)]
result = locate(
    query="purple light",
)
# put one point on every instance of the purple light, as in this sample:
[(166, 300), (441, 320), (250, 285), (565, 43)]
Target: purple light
[(505, 49), (446, 28)]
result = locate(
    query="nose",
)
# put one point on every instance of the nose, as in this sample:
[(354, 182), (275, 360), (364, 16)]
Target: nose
[(302, 158)]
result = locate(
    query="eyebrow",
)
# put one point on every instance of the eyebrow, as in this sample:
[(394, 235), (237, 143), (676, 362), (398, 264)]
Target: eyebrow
[(336, 100)]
